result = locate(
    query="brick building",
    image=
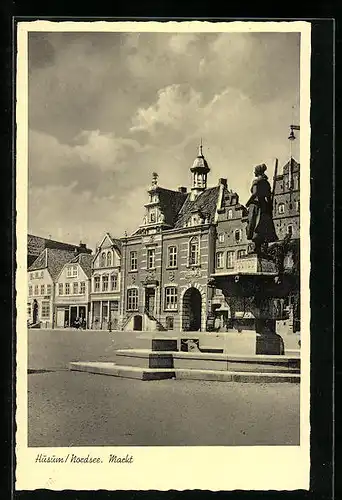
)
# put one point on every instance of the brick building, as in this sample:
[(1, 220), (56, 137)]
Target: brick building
[(184, 238)]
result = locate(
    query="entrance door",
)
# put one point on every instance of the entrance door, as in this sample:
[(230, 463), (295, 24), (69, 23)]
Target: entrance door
[(66, 317), (137, 322), (192, 310), (60, 318), (150, 296), (73, 315)]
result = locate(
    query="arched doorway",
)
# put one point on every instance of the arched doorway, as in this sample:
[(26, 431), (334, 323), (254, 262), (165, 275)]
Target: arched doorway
[(192, 310), (137, 322)]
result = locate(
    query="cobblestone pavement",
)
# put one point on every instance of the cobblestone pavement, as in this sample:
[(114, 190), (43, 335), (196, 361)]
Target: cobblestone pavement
[(80, 409)]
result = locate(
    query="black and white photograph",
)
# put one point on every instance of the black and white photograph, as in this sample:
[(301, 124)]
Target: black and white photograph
[(163, 177)]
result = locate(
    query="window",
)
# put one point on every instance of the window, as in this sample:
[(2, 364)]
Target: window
[(281, 208), (219, 260), (297, 205), (133, 261), (36, 290), (48, 289), (221, 237), (42, 274), (151, 258), (45, 309), (72, 272), (105, 281), (114, 282), (67, 288), (132, 299), (30, 290), (96, 283), (109, 259), (290, 230), (36, 274), (31, 276), (114, 305), (152, 217), (172, 256), (194, 252), (241, 253), (60, 288), (238, 235), (103, 259), (42, 289), (29, 309), (75, 288), (170, 297), (82, 287), (230, 213), (230, 259)]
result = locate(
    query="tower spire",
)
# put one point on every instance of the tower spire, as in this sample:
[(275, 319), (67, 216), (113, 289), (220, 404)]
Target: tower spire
[(199, 170)]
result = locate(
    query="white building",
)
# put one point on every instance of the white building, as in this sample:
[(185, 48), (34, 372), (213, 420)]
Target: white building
[(106, 285)]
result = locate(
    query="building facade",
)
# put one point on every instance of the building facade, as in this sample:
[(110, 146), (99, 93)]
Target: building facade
[(105, 294), (72, 292)]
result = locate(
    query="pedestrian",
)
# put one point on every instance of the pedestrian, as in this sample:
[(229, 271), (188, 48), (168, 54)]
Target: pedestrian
[(110, 326)]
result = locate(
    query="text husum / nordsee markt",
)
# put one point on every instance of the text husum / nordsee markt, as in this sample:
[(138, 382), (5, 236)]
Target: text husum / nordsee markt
[(72, 458)]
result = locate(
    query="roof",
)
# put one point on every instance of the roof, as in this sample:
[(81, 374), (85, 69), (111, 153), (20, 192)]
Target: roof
[(206, 203), (52, 259), (295, 167), (170, 203), (85, 261), (36, 244), (116, 242)]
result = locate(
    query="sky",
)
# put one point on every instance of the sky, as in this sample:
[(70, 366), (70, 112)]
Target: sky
[(108, 109)]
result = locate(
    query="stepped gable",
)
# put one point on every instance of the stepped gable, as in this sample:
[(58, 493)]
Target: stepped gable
[(295, 168), (206, 202), (85, 261)]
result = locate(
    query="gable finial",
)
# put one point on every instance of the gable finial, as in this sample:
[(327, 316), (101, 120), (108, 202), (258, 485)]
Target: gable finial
[(200, 150)]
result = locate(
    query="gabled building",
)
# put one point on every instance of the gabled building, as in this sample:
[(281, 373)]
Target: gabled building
[(167, 261), (42, 275), (106, 285), (72, 291), (286, 203)]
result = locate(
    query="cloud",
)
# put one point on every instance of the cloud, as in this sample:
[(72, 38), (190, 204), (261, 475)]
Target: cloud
[(108, 109)]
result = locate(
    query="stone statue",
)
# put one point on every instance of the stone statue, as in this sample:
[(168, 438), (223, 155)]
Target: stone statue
[(260, 227)]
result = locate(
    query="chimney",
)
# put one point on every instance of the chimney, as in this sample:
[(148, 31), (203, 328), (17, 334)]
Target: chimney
[(82, 246), (223, 181), (182, 189)]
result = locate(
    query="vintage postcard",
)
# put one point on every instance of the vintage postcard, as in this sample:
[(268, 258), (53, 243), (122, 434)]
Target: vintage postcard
[(163, 250)]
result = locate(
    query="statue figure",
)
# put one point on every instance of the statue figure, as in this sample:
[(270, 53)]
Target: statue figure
[(260, 227)]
